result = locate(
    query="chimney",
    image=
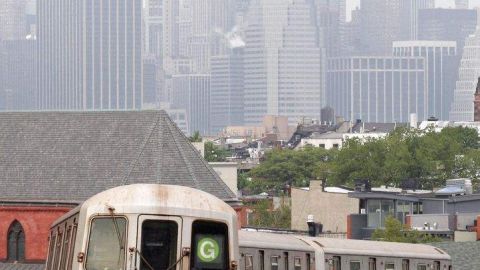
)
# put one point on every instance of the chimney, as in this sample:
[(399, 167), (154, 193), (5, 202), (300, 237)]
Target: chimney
[(476, 103)]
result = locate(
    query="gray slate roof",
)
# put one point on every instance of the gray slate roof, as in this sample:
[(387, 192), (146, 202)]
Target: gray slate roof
[(464, 254), (70, 156), (21, 266)]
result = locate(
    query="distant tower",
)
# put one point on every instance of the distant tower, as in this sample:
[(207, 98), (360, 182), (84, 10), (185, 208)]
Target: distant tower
[(476, 102), (461, 4)]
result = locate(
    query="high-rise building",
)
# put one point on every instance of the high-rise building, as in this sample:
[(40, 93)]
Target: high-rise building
[(17, 74), (462, 107), (283, 71), (191, 92), (461, 4), (226, 90), (447, 24), (441, 67), (376, 89), (13, 23), (153, 21), (91, 54), (409, 10), (330, 20)]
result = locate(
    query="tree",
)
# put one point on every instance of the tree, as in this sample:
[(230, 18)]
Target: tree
[(395, 231), (264, 217), (196, 137), (214, 153)]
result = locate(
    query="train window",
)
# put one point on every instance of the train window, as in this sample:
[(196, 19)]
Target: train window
[(309, 262), (209, 245), (422, 267), (65, 242), (274, 263), (159, 244), (297, 263), (355, 265), (372, 264), (248, 262), (261, 260), (287, 264), (106, 244), (335, 263), (405, 264), (53, 238), (389, 266), (72, 245), (436, 265)]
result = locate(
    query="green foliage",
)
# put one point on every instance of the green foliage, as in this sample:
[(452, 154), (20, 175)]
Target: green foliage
[(396, 232), (264, 217), (214, 153), (196, 137), (429, 156), (289, 167)]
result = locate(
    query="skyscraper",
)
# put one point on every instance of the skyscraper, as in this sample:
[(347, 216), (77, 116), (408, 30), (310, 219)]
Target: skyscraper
[(462, 107), (153, 22), (226, 93), (91, 54), (441, 67), (461, 4), (13, 24), (409, 10), (282, 62), (376, 89)]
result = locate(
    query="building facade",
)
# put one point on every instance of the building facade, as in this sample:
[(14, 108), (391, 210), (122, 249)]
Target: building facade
[(441, 66), (13, 20), (91, 55), (226, 90), (376, 89), (283, 70), (192, 93), (463, 107)]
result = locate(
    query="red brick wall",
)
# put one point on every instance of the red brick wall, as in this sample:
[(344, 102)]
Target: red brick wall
[(36, 223), (241, 215), (349, 227)]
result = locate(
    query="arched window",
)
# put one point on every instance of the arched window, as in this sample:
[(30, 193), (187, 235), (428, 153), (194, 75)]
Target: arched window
[(16, 242)]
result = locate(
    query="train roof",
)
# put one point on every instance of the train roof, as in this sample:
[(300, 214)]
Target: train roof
[(155, 199), (376, 248), (271, 241)]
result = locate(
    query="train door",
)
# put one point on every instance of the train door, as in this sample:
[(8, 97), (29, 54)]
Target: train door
[(158, 242)]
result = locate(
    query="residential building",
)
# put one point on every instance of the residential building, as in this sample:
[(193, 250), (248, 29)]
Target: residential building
[(447, 24), (17, 74), (191, 92), (226, 90), (377, 89), (271, 124), (141, 146), (441, 67), (91, 55), (329, 206), (283, 68), (462, 106)]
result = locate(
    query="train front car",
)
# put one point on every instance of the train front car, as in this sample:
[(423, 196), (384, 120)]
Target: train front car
[(146, 227)]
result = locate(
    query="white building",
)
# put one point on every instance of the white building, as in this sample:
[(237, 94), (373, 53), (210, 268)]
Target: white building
[(462, 107), (283, 71)]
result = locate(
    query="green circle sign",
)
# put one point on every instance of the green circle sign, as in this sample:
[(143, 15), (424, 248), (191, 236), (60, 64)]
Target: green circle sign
[(207, 250)]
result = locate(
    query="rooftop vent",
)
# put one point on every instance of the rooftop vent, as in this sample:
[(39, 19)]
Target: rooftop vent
[(362, 185), (457, 187)]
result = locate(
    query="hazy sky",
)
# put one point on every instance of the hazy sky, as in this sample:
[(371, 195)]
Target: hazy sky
[(351, 4)]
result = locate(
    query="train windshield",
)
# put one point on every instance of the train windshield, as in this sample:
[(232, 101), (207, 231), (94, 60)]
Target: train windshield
[(209, 246), (159, 244), (106, 244)]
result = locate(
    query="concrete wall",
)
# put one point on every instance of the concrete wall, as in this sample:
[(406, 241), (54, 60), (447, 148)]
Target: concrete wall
[(466, 219), (227, 172), (444, 221), (330, 209), (436, 206)]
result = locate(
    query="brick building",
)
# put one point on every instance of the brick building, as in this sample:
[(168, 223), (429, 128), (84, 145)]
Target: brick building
[(51, 161)]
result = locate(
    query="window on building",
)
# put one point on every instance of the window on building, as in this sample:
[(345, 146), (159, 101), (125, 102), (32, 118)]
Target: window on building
[(16, 242), (377, 211)]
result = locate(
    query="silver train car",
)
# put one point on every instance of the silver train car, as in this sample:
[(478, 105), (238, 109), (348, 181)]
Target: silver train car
[(272, 251), (161, 227), (146, 227)]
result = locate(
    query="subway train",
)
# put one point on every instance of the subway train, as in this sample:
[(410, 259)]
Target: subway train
[(163, 227)]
